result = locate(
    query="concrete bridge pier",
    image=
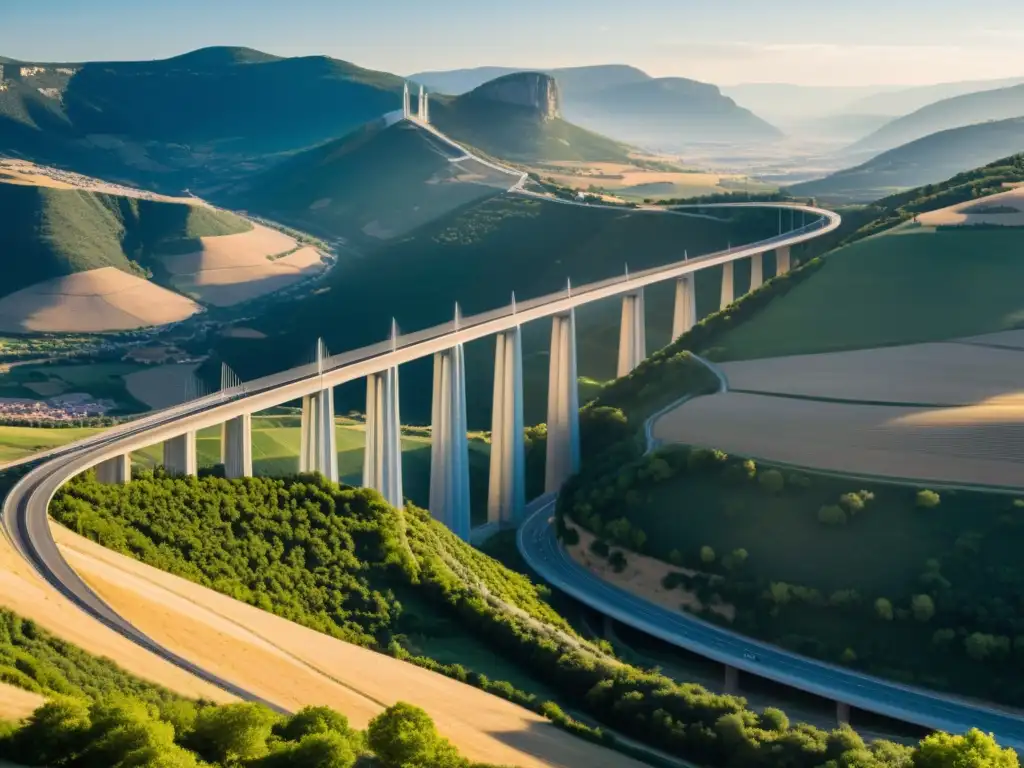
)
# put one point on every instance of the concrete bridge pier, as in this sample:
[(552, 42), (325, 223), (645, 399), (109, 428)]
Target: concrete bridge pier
[(684, 313), (449, 447), (727, 285), (382, 459), (115, 471), (782, 259), (732, 679), (563, 449), (318, 442), (237, 447), (506, 490), (632, 333), (180, 455), (756, 271), (842, 713)]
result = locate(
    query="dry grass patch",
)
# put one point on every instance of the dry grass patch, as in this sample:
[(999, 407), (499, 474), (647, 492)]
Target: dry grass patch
[(292, 665), (1005, 209), (95, 301), (160, 386), (16, 704)]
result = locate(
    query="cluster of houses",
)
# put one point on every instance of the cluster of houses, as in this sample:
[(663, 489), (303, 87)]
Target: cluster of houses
[(70, 407)]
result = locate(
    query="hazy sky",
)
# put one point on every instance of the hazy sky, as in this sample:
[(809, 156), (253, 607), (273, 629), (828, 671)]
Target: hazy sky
[(819, 42)]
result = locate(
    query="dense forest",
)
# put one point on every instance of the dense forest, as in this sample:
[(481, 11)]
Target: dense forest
[(345, 555)]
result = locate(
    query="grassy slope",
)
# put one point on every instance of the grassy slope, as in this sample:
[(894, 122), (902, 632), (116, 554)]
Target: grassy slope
[(478, 256), (845, 305), (911, 284), (516, 133), (17, 442), (925, 161), (49, 233), (389, 180)]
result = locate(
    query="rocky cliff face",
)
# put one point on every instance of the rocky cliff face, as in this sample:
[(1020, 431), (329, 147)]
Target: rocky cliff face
[(533, 90)]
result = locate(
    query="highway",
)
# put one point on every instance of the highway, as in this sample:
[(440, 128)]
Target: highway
[(539, 546), (25, 520)]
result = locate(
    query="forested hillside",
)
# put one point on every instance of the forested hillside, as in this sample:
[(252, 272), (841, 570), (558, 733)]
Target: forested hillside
[(50, 232), (347, 554)]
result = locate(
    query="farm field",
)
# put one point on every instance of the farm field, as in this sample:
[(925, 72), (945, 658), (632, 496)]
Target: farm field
[(911, 284), (18, 442), (634, 182), (104, 381), (944, 412)]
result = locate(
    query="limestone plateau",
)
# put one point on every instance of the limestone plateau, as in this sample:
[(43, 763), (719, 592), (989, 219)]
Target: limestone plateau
[(534, 90)]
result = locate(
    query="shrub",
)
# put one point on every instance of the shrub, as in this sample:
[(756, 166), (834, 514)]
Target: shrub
[(771, 481), (832, 515), (707, 555), (801, 482), (599, 547), (927, 499), (922, 607), (617, 560), (883, 609)]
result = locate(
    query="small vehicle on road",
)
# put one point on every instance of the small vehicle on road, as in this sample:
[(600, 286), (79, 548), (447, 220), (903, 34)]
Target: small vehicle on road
[(750, 656)]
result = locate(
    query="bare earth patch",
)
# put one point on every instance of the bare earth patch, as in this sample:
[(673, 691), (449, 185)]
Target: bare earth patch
[(935, 374), (104, 299), (996, 209), (16, 704), (642, 577), (233, 268), (160, 386), (293, 666), (979, 444)]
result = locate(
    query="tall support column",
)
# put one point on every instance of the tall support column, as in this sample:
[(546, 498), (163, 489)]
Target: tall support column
[(421, 110), (563, 449), (684, 315), (732, 680), (382, 460), (632, 333), (782, 260), (756, 271), (727, 285), (842, 713), (506, 491), (449, 447), (426, 108), (318, 445), (115, 471), (238, 447), (180, 455), (406, 102)]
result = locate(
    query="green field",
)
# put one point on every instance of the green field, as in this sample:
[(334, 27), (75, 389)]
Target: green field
[(275, 453), (57, 232), (910, 284), (810, 578), (18, 442)]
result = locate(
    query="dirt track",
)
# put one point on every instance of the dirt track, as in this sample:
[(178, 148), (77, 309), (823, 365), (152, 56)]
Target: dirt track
[(949, 412)]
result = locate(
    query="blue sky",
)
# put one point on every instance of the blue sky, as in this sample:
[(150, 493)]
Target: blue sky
[(723, 41)]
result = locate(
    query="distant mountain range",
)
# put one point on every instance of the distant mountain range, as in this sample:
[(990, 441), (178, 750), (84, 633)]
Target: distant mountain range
[(668, 113), (968, 109), (217, 115), (925, 161)]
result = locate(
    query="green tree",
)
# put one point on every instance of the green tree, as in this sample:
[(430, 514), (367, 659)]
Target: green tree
[(883, 609), (404, 736), (832, 515), (707, 555), (923, 607), (232, 733), (773, 719), (771, 481), (311, 720), (314, 750), (926, 499), (973, 749)]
